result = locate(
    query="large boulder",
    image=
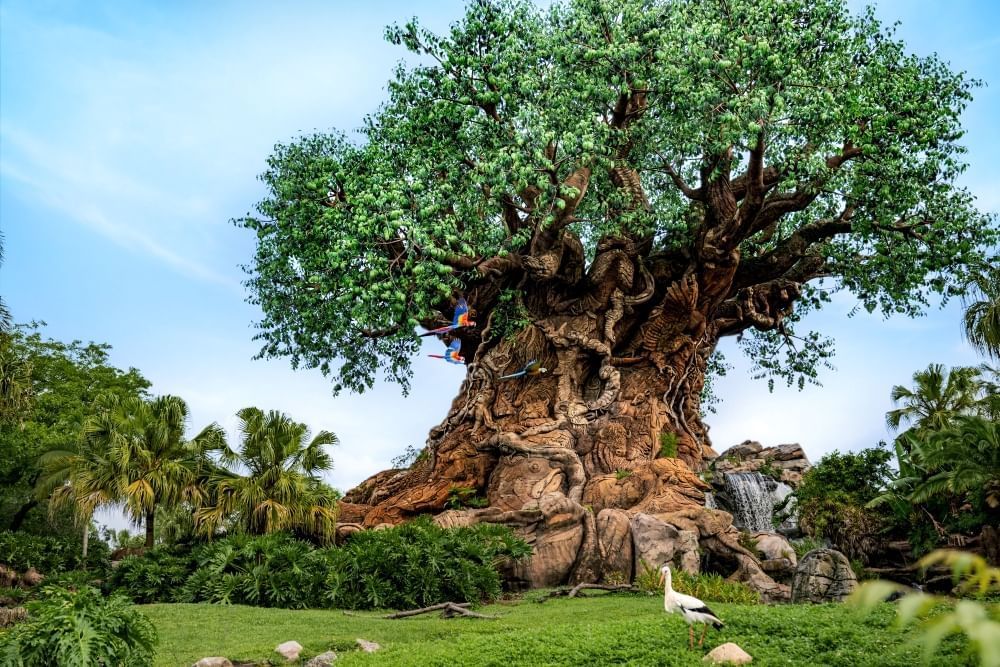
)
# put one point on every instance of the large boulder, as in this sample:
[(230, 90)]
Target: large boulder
[(655, 540), (788, 461), (823, 575), (614, 536)]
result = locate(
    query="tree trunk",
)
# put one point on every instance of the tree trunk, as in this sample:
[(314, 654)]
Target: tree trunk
[(150, 517), (86, 541), (21, 514)]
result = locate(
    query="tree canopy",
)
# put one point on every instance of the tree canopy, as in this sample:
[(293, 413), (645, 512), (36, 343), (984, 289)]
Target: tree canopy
[(759, 146)]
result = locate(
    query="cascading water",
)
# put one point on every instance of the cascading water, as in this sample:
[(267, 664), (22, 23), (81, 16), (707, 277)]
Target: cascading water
[(754, 498)]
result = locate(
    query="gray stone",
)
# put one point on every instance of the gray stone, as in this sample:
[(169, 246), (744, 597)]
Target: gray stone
[(727, 654), (289, 650), (775, 547), (823, 575), (322, 660), (687, 547), (214, 661), (367, 646), (655, 541), (614, 537)]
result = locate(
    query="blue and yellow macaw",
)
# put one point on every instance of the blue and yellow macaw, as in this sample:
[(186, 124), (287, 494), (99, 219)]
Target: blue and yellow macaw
[(453, 355), (533, 367), (460, 320)]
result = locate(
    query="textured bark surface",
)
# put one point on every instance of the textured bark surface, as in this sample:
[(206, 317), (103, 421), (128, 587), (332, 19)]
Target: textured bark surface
[(613, 423)]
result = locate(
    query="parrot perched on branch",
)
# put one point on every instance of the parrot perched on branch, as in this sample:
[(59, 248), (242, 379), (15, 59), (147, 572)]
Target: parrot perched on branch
[(453, 355), (533, 367), (460, 320)]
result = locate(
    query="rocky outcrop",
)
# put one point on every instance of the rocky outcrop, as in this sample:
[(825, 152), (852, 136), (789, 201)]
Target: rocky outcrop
[(655, 541), (322, 660), (788, 461), (823, 575), (614, 537)]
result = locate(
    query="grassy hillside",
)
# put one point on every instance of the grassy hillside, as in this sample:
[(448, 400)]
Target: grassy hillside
[(595, 631)]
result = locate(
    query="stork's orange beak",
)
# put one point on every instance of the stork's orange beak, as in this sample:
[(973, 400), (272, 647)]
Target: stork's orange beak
[(663, 578)]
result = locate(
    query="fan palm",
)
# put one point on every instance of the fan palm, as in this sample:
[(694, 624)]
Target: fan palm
[(133, 453), (936, 398), (967, 458), (281, 489), (982, 314)]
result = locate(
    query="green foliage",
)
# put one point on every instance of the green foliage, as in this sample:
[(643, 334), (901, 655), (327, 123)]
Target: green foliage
[(66, 380), (982, 314), (464, 496), (806, 544), (832, 498), (51, 554), (709, 587), (622, 473), (419, 564), (768, 469), (510, 316), (972, 619), (283, 490), (155, 576), (410, 456), (79, 629), (476, 162), (668, 445)]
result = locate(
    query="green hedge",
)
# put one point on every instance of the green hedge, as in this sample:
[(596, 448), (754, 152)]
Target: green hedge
[(412, 565)]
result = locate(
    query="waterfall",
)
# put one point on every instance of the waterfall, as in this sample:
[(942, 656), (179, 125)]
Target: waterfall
[(754, 498), (710, 501)]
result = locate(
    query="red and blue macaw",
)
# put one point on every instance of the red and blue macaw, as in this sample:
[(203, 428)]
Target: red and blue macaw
[(533, 367), (460, 320), (453, 355)]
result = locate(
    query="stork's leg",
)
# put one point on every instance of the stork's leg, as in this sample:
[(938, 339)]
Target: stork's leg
[(690, 637), (704, 629)]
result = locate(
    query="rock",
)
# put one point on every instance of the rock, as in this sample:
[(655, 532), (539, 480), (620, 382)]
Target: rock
[(614, 537), (744, 450), (823, 575), (12, 615), (289, 650), (687, 547), (753, 575), (727, 654), (775, 547), (655, 541), (789, 462), (214, 661), (367, 646), (322, 660), (8, 577)]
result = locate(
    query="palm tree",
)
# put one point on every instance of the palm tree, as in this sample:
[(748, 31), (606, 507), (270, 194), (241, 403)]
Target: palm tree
[(967, 458), (281, 489), (982, 314), (6, 321), (134, 454), (936, 398)]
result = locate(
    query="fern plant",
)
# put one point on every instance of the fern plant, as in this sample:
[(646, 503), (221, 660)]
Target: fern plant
[(79, 629)]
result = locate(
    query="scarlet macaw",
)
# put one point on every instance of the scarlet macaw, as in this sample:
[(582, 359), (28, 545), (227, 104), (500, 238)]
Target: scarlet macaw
[(453, 355), (533, 367), (460, 320)]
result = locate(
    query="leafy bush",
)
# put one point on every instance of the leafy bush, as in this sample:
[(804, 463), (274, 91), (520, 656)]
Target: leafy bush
[(273, 570), (668, 445), (156, 576), (464, 496), (419, 564), (709, 587), (805, 545), (79, 628), (49, 554), (831, 501)]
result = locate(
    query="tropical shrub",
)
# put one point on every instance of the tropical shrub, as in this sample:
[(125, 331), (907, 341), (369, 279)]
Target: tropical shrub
[(274, 570), (49, 554), (419, 564), (156, 576), (831, 500), (79, 628), (707, 586)]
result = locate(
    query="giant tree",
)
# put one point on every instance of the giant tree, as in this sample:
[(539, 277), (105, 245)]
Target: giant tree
[(613, 187)]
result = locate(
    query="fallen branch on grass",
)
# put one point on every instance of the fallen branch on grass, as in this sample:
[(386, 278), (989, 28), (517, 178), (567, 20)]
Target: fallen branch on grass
[(448, 610), (575, 591)]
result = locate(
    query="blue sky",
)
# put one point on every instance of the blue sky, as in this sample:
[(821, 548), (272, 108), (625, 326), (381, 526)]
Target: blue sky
[(131, 133)]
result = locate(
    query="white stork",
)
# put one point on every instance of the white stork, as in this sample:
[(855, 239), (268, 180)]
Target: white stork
[(691, 608)]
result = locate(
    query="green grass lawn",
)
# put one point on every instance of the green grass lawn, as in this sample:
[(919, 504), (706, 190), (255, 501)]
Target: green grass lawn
[(600, 630)]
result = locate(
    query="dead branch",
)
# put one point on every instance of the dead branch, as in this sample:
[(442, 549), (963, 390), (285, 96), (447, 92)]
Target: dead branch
[(575, 591), (448, 610)]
